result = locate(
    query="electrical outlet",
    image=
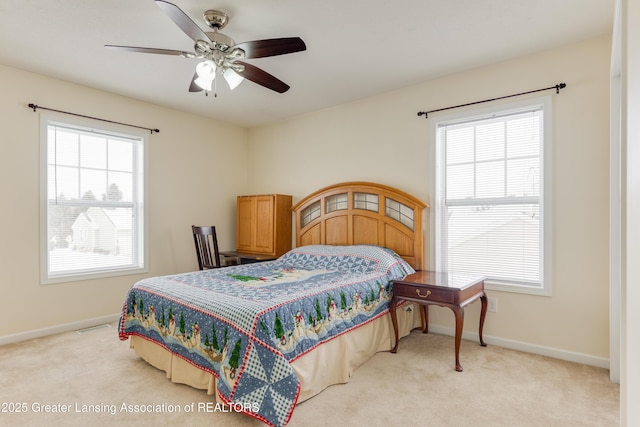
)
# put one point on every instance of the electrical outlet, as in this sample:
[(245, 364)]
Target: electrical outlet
[(493, 305)]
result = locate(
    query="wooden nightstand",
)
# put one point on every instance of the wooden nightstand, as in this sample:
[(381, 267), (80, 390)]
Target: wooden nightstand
[(444, 289)]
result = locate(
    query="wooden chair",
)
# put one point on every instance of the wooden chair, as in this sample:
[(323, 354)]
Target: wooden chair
[(207, 247)]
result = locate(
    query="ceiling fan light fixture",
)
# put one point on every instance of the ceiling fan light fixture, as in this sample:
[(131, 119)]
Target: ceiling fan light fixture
[(232, 78), (206, 71)]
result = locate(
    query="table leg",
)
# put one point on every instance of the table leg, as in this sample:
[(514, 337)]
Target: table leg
[(425, 313), (459, 314), (394, 321), (483, 313)]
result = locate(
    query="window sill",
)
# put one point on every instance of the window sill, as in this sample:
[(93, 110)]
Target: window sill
[(518, 288), (92, 276)]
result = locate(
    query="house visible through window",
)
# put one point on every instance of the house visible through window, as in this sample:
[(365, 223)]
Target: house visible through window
[(492, 198), (91, 202)]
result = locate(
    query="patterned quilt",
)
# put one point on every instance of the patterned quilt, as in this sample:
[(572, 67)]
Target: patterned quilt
[(245, 324)]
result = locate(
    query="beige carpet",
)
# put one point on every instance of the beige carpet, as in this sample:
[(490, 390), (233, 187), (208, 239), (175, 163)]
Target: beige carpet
[(416, 386)]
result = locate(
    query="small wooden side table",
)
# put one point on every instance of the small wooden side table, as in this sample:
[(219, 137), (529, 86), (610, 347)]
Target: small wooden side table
[(444, 289)]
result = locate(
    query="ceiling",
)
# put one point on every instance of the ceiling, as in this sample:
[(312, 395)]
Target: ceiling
[(355, 48)]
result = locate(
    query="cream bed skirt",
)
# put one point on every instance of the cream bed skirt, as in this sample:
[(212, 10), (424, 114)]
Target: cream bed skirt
[(331, 363)]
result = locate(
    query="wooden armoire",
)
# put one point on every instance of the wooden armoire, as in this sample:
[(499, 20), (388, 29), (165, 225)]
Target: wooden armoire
[(263, 224)]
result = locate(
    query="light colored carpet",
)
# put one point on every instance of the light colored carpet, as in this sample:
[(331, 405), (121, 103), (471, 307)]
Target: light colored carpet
[(416, 386)]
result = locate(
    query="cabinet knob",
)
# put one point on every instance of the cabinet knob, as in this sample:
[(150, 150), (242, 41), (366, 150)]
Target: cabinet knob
[(421, 295)]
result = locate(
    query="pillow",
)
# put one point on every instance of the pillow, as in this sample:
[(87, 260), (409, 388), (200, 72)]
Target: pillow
[(361, 258)]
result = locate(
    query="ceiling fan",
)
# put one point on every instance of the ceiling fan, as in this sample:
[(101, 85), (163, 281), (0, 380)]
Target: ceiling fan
[(220, 53)]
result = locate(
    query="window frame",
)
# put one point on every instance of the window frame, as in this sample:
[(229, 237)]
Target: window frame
[(546, 220), (141, 260)]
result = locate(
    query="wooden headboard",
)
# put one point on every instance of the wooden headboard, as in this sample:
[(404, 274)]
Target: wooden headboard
[(363, 213)]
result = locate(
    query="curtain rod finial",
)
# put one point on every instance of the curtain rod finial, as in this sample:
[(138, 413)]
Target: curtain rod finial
[(33, 107)]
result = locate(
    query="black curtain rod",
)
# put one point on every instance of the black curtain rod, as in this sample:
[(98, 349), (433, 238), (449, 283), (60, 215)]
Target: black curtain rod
[(556, 87), (34, 107)]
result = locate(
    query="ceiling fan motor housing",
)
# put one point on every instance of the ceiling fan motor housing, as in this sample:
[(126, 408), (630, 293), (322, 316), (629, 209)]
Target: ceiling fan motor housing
[(220, 41)]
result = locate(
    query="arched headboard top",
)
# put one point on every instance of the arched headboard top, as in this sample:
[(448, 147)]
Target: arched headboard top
[(357, 213)]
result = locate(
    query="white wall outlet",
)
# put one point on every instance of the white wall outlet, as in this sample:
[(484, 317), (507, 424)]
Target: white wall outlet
[(492, 305)]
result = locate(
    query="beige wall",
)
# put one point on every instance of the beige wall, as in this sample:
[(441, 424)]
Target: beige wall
[(190, 161), (381, 139), (376, 139)]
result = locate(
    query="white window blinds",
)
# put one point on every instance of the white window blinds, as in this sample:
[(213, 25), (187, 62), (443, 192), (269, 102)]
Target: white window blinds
[(92, 202), (489, 189)]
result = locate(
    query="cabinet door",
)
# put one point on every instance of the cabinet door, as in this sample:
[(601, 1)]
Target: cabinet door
[(264, 224), (245, 224)]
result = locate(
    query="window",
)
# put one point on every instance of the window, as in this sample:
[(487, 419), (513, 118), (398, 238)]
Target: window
[(492, 195), (92, 199)]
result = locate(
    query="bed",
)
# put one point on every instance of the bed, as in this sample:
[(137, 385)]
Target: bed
[(264, 337)]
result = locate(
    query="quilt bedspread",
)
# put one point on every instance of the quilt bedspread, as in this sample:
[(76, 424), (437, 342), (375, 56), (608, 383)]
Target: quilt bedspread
[(244, 324)]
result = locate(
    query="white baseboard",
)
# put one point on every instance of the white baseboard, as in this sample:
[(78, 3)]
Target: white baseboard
[(556, 353), (65, 327)]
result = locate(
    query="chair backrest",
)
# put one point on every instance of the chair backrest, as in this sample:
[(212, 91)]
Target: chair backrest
[(206, 247)]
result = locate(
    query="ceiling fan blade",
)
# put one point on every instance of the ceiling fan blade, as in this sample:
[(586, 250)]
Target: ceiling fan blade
[(182, 20), (261, 77), (151, 50), (271, 47), (193, 87)]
